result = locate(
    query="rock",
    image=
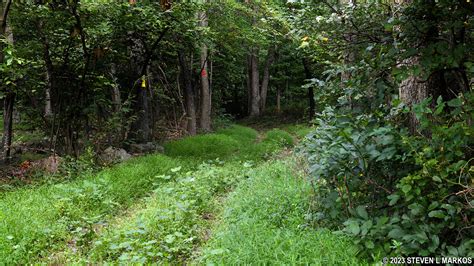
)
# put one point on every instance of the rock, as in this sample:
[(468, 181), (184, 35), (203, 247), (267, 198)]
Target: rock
[(114, 155), (148, 147), (49, 165)]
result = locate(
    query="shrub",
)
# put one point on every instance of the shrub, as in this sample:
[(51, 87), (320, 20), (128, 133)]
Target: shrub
[(397, 194)]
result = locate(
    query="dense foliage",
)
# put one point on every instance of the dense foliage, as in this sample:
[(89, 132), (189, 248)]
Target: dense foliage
[(386, 85), (392, 160), (101, 73)]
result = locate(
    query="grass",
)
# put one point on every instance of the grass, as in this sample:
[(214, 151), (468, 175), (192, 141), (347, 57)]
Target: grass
[(209, 146), (159, 208), (170, 224), (225, 143), (280, 137), (36, 220), (39, 220), (240, 133), (300, 131), (264, 224)]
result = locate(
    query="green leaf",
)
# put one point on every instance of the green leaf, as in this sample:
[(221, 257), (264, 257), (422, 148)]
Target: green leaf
[(353, 227), (393, 199), (456, 102), (437, 214), (369, 244), (406, 188), (170, 239), (396, 233), (362, 212), (435, 240), (437, 179)]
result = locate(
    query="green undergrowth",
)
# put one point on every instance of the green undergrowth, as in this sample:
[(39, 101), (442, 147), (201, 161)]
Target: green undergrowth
[(34, 221), (171, 223), (265, 224), (280, 137), (42, 222), (230, 143), (300, 131)]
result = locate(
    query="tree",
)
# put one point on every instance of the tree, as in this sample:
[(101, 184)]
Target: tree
[(254, 83), (9, 98), (206, 104), (308, 76), (428, 78), (186, 81), (266, 78)]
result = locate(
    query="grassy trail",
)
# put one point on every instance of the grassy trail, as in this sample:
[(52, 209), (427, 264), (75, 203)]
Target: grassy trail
[(160, 208), (263, 222)]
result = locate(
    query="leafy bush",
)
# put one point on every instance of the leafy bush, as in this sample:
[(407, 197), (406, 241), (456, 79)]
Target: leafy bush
[(72, 167), (397, 193)]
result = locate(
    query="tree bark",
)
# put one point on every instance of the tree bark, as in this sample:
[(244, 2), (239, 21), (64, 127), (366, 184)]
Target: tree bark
[(206, 105), (414, 89), (254, 84), (143, 121), (139, 61), (48, 110), (186, 79), (116, 97), (311, 102), (9, 99), (266, 78), (278, 100), (349, 54)]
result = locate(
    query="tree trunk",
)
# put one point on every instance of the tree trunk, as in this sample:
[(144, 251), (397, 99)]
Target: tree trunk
[(266, 78), (254, 84), (186, 80), (205, 121), (141, 126), (414, 89), (249, 83), (312, 104), (349, 54), (278, 100), (9, 99), (116, 97), (48, 110), (139, 63)]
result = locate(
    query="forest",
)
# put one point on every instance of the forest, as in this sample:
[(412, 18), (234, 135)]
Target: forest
[(254, 132)]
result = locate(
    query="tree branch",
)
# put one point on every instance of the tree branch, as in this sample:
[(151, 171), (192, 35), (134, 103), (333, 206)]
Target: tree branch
[(5, 15)]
